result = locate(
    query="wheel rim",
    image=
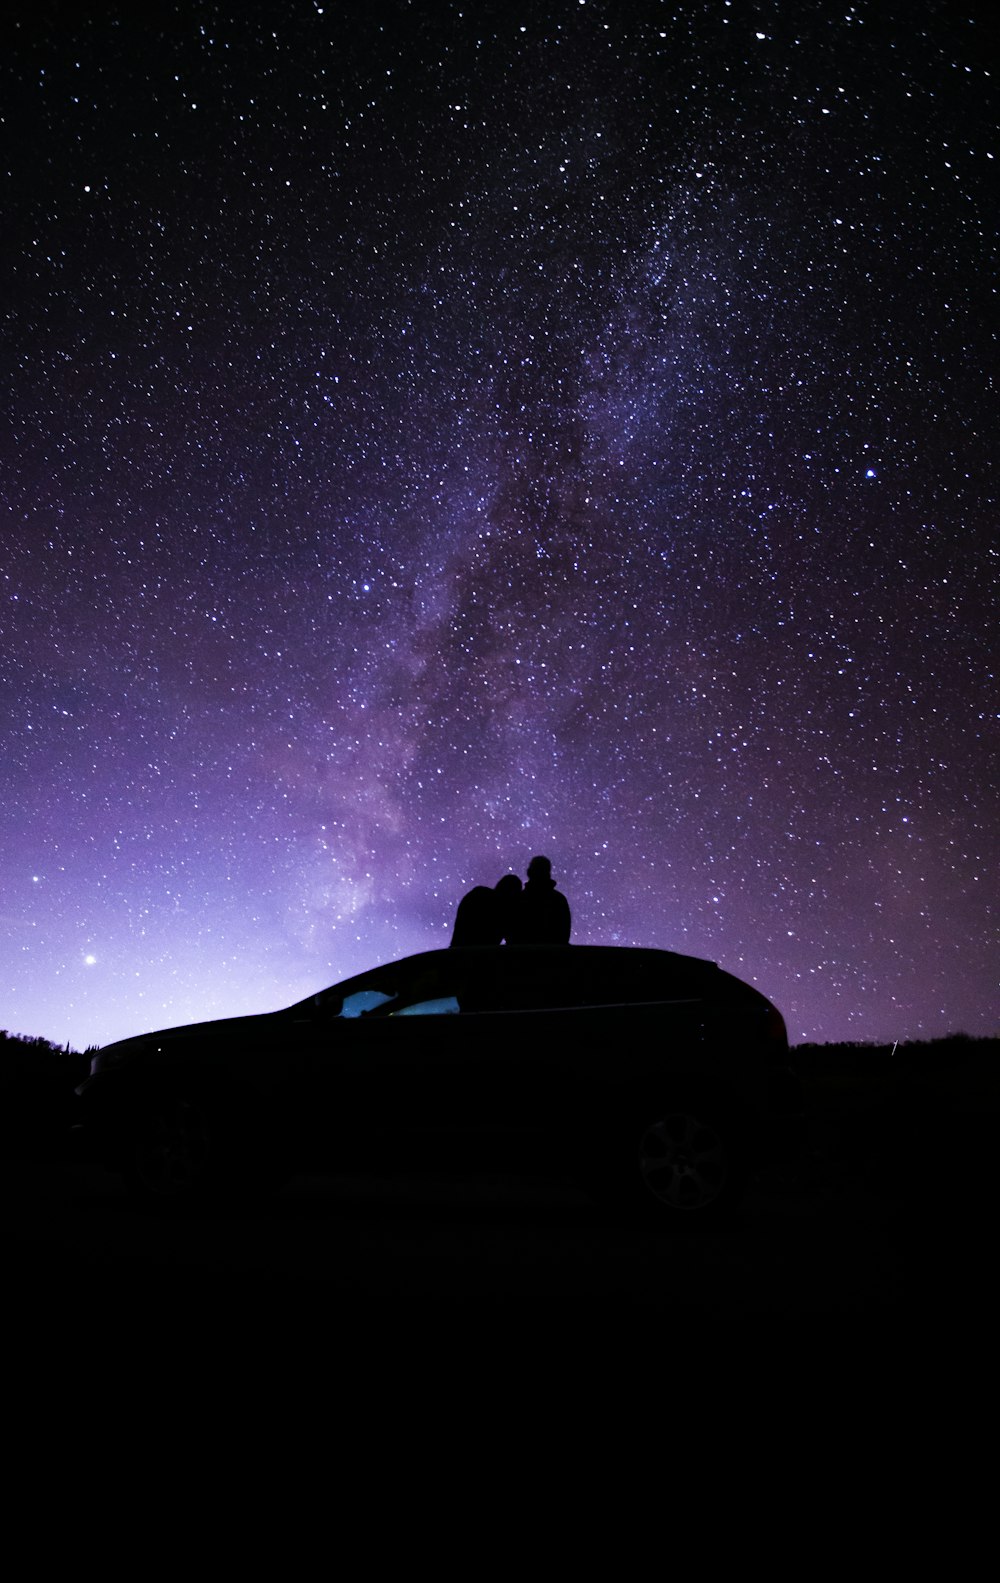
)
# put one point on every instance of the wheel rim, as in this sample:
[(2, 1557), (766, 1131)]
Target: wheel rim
[(173, 1148), (683, 1162)]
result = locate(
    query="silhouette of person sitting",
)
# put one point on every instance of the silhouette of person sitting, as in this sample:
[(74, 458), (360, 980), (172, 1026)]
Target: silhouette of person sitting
[(542, 915), (485, 916)]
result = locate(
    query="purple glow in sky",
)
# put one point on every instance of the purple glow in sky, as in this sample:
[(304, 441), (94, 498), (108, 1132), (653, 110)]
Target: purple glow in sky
[(447, 434)]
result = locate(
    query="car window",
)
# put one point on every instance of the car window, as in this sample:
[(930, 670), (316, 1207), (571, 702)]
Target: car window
[(362, 1001), (443, 1005)]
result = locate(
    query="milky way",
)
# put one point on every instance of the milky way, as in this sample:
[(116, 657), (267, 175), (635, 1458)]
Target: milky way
[(448, 433)]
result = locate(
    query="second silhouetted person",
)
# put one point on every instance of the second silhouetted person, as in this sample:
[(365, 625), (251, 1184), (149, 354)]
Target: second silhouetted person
[(484, 916), (542, 915)]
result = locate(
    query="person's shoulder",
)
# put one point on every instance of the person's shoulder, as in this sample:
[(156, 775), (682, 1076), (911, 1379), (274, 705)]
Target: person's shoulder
[(472, 897)]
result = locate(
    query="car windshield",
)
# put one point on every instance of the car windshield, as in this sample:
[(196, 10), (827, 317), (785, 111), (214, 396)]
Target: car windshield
[(363, 1001), (344, 1000), (419, 987)]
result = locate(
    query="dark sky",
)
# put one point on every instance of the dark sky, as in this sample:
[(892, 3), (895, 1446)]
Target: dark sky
[(436, 434)]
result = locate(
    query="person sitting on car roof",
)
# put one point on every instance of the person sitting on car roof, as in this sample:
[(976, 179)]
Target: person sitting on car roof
[(542, 915), (484, 916)]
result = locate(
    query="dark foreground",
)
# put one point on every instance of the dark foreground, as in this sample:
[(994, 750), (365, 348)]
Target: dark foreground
[(884, 1218), (881, 1235), (815, 1244), (366, 1338)]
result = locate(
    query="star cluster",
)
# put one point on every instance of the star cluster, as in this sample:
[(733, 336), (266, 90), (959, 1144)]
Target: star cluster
[(448, 433)]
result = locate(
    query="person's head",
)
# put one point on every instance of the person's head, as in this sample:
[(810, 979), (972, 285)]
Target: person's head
[(540, 870), (509, 888)]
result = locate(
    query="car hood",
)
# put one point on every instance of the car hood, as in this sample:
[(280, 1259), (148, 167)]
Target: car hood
[(124, 1050)]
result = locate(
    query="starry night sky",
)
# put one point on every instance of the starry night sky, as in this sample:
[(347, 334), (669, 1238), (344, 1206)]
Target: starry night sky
[(439, 433)]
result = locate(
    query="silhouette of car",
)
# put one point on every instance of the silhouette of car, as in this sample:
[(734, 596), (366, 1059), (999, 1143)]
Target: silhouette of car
[(655, 1080)]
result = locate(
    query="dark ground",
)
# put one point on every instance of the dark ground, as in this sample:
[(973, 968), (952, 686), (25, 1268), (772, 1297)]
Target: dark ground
[(886, 1204), (879, 1244)]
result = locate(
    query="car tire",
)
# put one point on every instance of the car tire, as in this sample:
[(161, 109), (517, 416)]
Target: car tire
[(181, 1149), (673, 1166)]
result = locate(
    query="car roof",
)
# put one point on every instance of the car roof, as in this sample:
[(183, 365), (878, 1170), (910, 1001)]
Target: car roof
[(580, 957), (556, 973)]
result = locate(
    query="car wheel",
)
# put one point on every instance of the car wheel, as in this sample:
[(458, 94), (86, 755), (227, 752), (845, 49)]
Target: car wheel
[(183, 1151), (675, 1167), (685, 1161), (170, 1151)]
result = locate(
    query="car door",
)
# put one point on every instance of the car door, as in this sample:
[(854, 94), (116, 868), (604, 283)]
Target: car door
[(345, 1070), (383, 1060)]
